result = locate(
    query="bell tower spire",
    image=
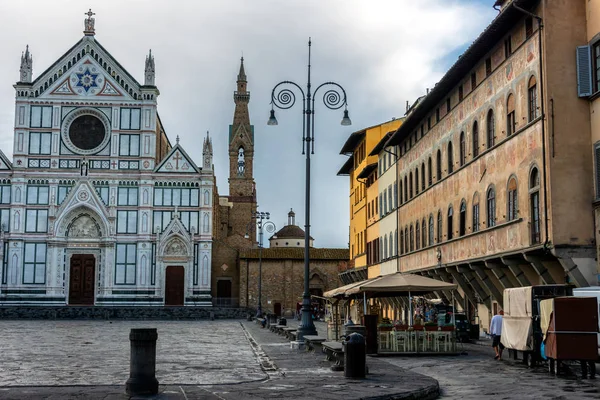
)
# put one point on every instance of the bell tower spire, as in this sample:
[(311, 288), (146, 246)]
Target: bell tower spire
[(149, 70), (207, 152), (26, 70)]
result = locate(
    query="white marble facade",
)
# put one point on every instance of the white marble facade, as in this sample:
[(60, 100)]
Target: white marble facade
[(90, 211)]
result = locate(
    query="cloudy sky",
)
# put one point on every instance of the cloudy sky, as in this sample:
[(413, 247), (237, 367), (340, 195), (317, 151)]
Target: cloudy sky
[(383, 52)]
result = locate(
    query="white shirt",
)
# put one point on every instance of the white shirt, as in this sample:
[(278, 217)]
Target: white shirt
[(496, 325)]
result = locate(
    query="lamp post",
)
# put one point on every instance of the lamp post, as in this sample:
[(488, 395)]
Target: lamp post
[(334, 98), (270, 227)]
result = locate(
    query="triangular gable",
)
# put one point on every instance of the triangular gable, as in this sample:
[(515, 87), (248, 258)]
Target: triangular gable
[(5, 163), (86, 54), (83, 193), (177, 161)]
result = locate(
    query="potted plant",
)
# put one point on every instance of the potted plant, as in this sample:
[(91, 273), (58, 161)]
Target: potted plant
[(431, 326), (385, 325)]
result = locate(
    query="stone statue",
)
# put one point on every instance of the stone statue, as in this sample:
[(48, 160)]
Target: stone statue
[(83, 227), (89, 22), (176, 247)]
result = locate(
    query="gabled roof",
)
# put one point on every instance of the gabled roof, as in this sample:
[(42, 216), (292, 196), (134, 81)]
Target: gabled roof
[(353, 140), (464, 65), (347, 167), (5, 163), (177, 161)]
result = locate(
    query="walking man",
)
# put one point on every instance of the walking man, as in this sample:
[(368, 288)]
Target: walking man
[(496, 332)]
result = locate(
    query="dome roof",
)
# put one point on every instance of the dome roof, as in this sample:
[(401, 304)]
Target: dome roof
[(290, 231)]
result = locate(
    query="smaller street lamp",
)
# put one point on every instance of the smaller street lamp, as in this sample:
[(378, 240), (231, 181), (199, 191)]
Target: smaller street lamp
[(269, 226)]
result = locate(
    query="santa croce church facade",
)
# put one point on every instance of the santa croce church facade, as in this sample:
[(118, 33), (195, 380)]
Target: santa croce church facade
[(97, 206)]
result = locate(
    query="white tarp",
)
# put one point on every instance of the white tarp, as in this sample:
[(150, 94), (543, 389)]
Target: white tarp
[(546, 308), (517, 324)]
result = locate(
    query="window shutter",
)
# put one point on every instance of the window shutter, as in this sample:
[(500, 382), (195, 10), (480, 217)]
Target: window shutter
[(584, 71), (597, 161)]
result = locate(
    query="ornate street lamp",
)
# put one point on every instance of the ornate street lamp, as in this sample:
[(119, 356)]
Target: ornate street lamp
[(269, 226), (334, 99)]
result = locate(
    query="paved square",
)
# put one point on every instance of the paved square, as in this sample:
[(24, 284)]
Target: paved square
[(46, 353)]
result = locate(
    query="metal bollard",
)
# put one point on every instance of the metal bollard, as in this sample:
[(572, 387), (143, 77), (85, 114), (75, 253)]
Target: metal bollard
[(142, 366), (355, 357)]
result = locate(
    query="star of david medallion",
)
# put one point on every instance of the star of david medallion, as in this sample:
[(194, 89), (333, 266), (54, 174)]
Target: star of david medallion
[(86, 80)]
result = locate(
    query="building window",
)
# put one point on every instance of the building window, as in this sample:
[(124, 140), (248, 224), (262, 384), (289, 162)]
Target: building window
[(532, 99), (428, 123), (126, 221), (528, 27), (534, 199), (125, 264), (395, 194), (400, 191), (450, 158), (40, 143), (431, 237), (422, 176), (491, 129), (36, 221), (476, 213), (491, 207), (423, 234), (460, 93), (511, 121), (450, 225), (184, 197), (130, 118), (513, 202), (439, 227), (437, 115), (429, 172), (102, 191), (63, 191), (34, 267), (473, 81), (391, 243), (507, 47), (410, 185), (412, 239), (41, 117), (401, 242), (462, 229), (5, 220), (406, 198), (406, 239), (385, 247), (439, 165), (462, 150), (488, 67), (127, 196), (5, 194), (37, 194), (129, 145), (448, 107), (417, 181), (475, 139), (390, 198), (418, 235)]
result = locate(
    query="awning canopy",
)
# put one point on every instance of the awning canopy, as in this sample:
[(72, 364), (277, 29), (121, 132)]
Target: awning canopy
[(341, 291), (398, 284)]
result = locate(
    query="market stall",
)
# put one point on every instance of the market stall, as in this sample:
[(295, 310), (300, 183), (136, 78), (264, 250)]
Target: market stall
[(421, 333)]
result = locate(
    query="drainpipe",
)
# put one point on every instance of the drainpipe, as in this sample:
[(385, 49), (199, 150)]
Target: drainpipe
[(545, 179), (397, 208)]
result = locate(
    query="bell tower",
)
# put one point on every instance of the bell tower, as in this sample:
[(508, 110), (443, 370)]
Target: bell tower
[(241, 142)]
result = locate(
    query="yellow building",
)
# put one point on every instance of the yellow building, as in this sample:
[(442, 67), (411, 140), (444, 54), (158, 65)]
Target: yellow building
[(365, 200)]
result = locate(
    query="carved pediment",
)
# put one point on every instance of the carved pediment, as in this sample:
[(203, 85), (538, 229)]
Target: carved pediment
[(176, 247), (83, 226)]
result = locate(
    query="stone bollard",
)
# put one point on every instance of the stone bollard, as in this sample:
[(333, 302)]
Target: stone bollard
[(142, 366), (355, 357), (212, 316)]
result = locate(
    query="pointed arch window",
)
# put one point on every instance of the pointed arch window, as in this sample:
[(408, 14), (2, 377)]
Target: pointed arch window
[(412, 238), (511, 120), (401, 241), (423, 233), (439, 165), (241, 162), (410, 185), (462, 229), (418, 235), (431, 237), (422, 176), (400, 191), (513, 203), (206, 223), (429, 172), (534, 204), (406, 239), (462, 150), (491, 207), (491, 129), (439, 227), (406, 189), (532, 99), (417, 181), (475, 139), (450, 219), (476, 212), (450, 158)]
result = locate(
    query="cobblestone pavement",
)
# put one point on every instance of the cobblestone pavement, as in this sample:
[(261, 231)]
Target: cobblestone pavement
[(48, 353), (477, 375)]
